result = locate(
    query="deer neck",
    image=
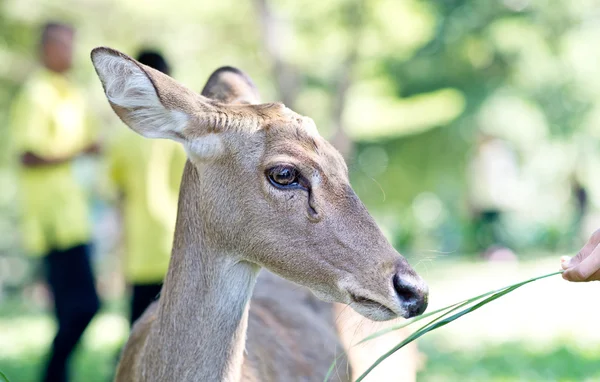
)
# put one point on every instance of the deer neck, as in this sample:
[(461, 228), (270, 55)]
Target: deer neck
[(200, 329)]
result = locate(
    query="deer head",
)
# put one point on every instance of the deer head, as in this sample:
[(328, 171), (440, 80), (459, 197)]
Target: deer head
[(272, 191)]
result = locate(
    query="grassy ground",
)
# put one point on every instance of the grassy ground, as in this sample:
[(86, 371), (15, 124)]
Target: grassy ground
[(24, 340), (547, 331)]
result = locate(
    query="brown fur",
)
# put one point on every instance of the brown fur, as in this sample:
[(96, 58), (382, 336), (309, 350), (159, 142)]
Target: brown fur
[(232, 221)]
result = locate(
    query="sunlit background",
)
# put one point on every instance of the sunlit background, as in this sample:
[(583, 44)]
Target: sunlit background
[(446, 110)]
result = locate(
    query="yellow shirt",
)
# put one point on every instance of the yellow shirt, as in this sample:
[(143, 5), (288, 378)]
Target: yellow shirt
[(148, 174), (49, 120)]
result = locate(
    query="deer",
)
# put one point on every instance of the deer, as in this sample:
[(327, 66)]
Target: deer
[(261, 189)]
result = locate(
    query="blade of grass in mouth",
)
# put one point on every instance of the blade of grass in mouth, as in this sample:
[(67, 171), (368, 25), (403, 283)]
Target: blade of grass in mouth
[(436, 323)]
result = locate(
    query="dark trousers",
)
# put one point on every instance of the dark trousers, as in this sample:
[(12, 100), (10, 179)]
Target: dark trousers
[(142, 296), (486, 229), (69, 275)]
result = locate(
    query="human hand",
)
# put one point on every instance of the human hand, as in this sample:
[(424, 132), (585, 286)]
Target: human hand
[(585, 266)]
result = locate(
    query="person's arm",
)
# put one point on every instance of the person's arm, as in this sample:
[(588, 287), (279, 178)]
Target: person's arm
[(30, 159), (585, 266)]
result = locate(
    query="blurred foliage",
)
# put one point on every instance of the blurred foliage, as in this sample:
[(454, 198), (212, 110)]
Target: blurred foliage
[(521, 67)]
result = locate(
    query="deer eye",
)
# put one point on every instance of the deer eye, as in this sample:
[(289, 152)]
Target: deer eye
[(283, 177)]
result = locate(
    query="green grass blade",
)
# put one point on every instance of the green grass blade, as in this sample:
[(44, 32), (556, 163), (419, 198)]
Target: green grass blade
[(331, 367), (429, 314), (3, 377), (429, 326), (421, 317), (432, 326), (459, 305), (435, 325)]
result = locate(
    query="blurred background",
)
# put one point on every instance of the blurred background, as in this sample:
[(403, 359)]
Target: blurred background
[(471, 129)]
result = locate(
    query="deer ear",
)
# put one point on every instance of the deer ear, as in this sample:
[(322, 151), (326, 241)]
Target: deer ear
[(230, 85), (156, 106), (133, 91)]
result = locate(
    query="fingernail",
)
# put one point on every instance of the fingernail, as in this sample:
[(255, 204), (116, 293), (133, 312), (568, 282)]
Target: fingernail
[(565, 259)]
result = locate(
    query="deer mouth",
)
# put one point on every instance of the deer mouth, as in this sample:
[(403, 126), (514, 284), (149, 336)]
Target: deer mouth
[(371, 304)]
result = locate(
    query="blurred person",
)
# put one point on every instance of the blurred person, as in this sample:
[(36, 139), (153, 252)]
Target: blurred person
[(582, 206), (50, 128), (585, 266), (493, 179), (146, 174)]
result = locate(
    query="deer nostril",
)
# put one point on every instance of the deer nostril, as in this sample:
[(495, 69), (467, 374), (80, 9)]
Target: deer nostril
[(413, 300), (405, 291)]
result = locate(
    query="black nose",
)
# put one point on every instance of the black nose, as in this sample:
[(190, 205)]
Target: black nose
[(412, 297)]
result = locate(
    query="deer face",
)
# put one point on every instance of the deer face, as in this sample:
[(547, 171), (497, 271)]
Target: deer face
[(272, 191)]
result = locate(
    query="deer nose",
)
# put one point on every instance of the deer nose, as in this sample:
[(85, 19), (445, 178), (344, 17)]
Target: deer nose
[(413, 295)]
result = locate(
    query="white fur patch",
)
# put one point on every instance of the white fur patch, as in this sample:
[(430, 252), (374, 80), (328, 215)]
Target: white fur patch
[(206, 147), (307, 123), (310, 127), (127, 86), (316, 178)]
